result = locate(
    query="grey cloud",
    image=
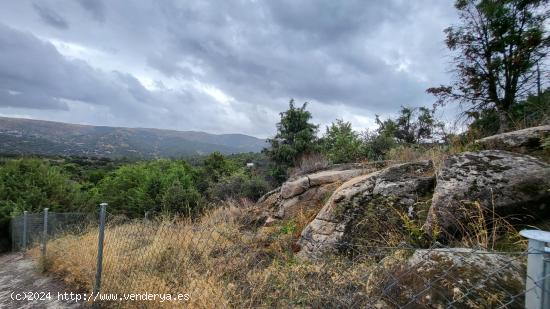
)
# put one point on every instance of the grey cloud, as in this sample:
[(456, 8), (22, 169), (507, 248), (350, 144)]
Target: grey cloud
[(360, 57), (12, 98), (95, 7), (35, 76), (165, 64), (328, 21), (295, 49), (50, 17), (35, 70)]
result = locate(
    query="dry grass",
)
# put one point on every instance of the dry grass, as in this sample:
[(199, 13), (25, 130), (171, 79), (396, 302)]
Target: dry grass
[(482, 228), (310, 163), (70, 256), (217, 260), (224, 260), (474, 225), (437, 154)]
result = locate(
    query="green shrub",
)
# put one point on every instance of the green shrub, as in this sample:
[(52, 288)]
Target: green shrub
[(377, 146), (239, 186), (341, 144), (295, 137), (136, 188), (532, 112), (32, 185), (179, 199)]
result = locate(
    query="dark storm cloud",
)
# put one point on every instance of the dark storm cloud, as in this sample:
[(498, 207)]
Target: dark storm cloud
[(315, 50), (50, 17), (34, 74), (223, 65)]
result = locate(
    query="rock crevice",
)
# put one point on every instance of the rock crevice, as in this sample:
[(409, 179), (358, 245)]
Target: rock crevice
[(353, 214)]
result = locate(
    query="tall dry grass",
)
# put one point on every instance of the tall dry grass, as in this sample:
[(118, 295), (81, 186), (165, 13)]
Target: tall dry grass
[(483, 228), (437, 154), (309, 163), (224, 260), (218, 261)]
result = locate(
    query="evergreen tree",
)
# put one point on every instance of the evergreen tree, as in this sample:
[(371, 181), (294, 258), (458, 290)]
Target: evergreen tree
[(295, 137)]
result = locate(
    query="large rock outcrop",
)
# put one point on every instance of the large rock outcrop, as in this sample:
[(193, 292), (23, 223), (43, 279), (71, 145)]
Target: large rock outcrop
[(441, 278), (360, 211), (310, 192), (311, 199), (508, 183), (298, 186), (527, 141)]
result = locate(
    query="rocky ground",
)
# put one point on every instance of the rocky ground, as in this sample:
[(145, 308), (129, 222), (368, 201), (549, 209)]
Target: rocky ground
[(501, 185), (504, 176), (19, 276)]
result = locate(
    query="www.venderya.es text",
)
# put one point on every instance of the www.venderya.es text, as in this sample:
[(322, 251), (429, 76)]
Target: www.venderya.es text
[(83, 297)]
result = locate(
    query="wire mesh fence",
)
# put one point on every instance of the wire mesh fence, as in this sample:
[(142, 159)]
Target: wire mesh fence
[(28, 228), (222, 261)]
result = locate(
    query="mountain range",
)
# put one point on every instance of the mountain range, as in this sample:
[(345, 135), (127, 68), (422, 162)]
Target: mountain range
[(26, 136)]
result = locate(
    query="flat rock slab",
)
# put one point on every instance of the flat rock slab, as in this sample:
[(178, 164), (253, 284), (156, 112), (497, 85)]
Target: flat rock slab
[(510, 184), (527, 141), (298, 186)]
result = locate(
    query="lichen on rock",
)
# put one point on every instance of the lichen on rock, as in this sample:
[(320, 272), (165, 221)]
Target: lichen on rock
[(309, 191), (528, 141), (360, 213), (441, 277), (503, 183)]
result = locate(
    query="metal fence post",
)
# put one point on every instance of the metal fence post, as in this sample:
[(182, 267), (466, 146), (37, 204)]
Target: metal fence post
[(537, 295), (99, 267), (25, 221), (45, 234)]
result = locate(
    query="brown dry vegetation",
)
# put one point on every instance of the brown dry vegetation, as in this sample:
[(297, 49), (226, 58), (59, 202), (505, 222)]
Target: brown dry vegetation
[(218, 261), (228, 259), (437, 154)]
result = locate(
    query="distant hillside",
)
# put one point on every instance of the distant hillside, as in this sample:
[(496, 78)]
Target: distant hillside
[(24, 136)]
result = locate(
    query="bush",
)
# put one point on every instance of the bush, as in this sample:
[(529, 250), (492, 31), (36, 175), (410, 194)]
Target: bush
[(31, 185), (133, 189), (377, 146), (179, 199), (295, 137), (532, 112), (340, 143), (239, 186)]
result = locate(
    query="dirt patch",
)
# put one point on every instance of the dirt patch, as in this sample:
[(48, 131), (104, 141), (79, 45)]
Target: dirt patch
[(19, 275)]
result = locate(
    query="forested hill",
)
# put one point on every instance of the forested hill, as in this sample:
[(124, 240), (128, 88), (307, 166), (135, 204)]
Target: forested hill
[(24, 136)]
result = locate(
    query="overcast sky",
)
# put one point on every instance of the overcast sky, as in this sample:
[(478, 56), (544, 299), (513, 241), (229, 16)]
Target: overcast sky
[(219, 66)]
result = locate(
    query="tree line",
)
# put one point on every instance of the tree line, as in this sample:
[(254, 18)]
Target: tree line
[(131, 188)]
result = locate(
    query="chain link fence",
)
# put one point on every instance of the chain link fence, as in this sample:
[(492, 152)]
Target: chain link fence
[(28, 228), (226, 260)]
